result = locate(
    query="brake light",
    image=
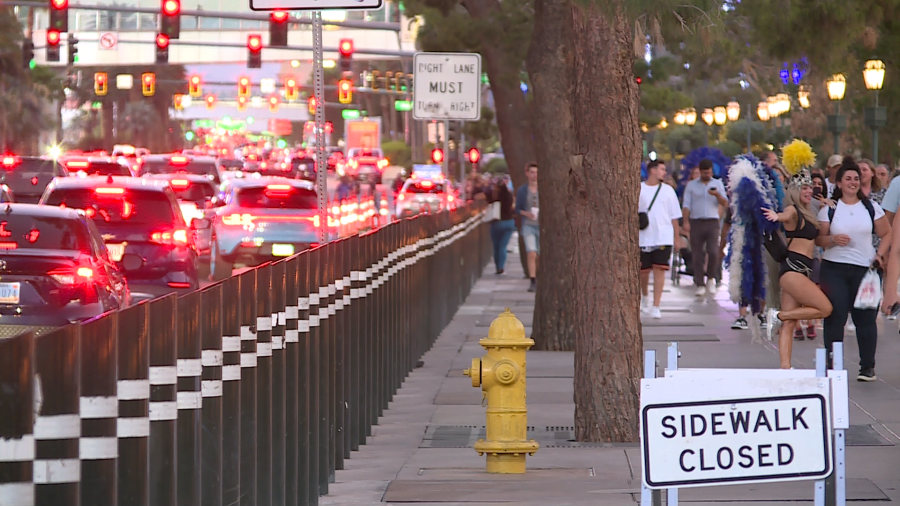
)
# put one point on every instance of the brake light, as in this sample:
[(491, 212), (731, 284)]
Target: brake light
[(110, 191), (177, 284), (72, 276), (10, 161), (77, 164), (178, 160), (237, 220), (316, 221), (178, 237), (8, 245), (85, 272), (279, 187), (426, 184), (449, 198), (180, 183), (401, 197)]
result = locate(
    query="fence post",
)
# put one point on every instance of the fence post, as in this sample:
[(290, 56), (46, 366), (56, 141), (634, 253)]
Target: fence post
[(99, 410), (231, 390), (211, 388), (133, 425), (319, 433), (291, 385), (341, 447), (264, 385), (308, 476), (343, 308), (357, 412), (248, 387), (278, 383), (17, 447), (190, 368), (163, 400)]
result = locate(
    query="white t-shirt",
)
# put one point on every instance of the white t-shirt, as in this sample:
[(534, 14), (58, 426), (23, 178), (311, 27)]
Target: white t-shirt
[(660, 232), (855, 222)]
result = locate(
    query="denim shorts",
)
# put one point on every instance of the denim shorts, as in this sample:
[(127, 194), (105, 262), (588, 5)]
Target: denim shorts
[(531, 236)]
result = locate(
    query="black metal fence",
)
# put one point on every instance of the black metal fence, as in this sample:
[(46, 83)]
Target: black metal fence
[(251, 392)]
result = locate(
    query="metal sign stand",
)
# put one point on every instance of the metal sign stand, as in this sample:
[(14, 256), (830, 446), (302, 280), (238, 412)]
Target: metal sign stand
[(446, 161), (319, 93)]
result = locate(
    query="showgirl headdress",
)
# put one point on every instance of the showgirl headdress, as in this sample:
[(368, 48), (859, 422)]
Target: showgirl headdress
[(797, 157)]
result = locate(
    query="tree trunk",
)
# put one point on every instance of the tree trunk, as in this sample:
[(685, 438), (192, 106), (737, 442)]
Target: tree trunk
[(581, 59)]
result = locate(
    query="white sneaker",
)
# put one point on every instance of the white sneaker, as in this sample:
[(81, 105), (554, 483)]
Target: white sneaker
[(701, 291), (655, 313), (711, 287), (645, 305), (850, 326)]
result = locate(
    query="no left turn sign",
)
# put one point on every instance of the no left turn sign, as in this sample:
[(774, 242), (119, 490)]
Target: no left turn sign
[(108, 40)]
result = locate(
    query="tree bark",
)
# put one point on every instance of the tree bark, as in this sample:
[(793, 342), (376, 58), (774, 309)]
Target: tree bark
[(581, 61)]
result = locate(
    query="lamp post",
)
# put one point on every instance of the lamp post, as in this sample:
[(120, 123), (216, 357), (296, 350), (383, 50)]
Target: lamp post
[(837, 123), (690, 117), (875, 117), (708, 117), (803, 96)]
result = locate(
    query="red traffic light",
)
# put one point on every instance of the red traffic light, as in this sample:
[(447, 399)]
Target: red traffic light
[(244, 81), (149, 78), (162, 41), (474, 155), (437, 155), (344, 85), (171, 7), (279, 16), (100, 78), (346, 47), (254, 43), (59, 4), (53, 37), (638, 80)]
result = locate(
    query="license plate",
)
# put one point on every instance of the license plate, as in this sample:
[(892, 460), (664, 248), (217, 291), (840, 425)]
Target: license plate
[(282, 250), (116, 251), (9, 293)]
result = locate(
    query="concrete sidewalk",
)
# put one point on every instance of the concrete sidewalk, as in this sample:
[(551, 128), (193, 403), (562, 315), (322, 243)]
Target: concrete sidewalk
[(421, 451)]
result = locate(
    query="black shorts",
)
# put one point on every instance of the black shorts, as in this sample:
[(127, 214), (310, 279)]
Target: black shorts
[(658, 258), (795, 262)]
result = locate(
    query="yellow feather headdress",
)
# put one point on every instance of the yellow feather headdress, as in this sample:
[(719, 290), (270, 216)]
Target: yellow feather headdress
[(797, 155)]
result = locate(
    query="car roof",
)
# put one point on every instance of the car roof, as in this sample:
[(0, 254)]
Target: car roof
[(259, 182), (194, 178), (41, 210), (190, 158), (129, 183)]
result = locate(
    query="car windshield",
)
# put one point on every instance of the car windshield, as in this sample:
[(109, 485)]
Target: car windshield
[(30, 176), (297, 163), (193, 191), (103, 169), (199, 167), (116, 206), (21, 231), (277, 197), (425, 187)]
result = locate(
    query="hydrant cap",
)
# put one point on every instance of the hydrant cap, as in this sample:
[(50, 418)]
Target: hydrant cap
[(507, 331)]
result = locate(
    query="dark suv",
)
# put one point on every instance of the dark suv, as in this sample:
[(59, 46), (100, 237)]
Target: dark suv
[(143, 228), (54, 268), (27, 176)]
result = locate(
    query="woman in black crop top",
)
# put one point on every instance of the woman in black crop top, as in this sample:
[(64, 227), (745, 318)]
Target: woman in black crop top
[(801, 299)]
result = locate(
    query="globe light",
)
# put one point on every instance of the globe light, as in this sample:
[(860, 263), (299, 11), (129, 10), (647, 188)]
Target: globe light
[(720, 115), (663, 124), (708, 116), (772, 104), (734, 110), (874, 74), (679, 118), (837, 85), (784, 103), (690, 117), (803, 96), (762, 110)]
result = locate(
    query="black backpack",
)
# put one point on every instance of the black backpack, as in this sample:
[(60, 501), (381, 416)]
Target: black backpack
[(869, 207)]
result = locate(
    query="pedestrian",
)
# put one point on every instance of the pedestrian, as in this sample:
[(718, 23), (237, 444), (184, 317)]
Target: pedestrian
[(702, 198), (801, 299), (845, 232), (883, 173), (527, 206), (776, 178), (659, 201), (831, 170), (870, 183), (502, 229)]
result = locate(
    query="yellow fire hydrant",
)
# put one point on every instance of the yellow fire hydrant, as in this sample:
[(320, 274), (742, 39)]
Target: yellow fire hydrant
[(501, 376)]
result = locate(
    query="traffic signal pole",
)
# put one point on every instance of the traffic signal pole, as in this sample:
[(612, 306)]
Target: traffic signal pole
[(446, 161), (319, 93)]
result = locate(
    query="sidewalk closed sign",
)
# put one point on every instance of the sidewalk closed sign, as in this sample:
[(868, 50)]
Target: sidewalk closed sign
[(741, 432)]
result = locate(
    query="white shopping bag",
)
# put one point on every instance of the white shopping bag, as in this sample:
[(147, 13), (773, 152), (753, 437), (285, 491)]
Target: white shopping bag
[(869, 294)]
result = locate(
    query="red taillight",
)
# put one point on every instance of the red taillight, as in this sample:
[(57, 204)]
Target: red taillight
[(401, 197), (178, 237), (178, 160), (76, 164), (10, 161), (110, 191), (279, 187), (8, 245), (426, 184), (178, 284), (180, 183), (72, 276)]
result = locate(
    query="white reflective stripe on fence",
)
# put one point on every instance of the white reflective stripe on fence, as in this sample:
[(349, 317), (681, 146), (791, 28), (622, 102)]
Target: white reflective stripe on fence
[(17, 450), (211, 358), (57, 471), (231, 343), (163, 410), (98, 407), (163, 375), (231, 372), (189, 367), (98, 448), (133, 427), (189, 400), (133, 390), (57, 427), (211, 388)]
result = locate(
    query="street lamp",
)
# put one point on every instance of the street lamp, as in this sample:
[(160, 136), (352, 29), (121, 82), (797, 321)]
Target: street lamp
[(708, 116), (720, 115), (679, 117), (734, 111), (772, 104), (690, 116), (803, 96), (663, 124), (875, 117), (837, 123), (762, 110)]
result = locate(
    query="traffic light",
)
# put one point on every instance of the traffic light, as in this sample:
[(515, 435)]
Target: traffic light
[(162, 48), (254, 51), (242, 103), (27, 53), (101, 82), (171, 18), (345, 91), (346, 50), (291, 90), (73, 49), (210, 101), (437, 155), (148, 84), (178, 102), (59, 16), (244, 87), (376, 75), (474, 155), (312, 106), (53, 44), (195, 88), (278, 29), (273, 103)]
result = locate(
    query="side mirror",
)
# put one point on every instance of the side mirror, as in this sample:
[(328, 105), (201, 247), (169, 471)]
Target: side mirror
[(200, 223)]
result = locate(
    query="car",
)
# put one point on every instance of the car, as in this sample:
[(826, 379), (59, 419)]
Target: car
[(262, 219), (143, 228), (179, 163), (97, 166), (422, 196), (198, 199), (303, 167), (54, 268), (28, 176), (365, 165)]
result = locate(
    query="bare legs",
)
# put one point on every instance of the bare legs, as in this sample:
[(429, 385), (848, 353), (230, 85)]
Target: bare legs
[(801, 299)]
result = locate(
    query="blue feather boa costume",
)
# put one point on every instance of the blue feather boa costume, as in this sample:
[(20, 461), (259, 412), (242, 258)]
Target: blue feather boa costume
[(752, 186), (692, 159)]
